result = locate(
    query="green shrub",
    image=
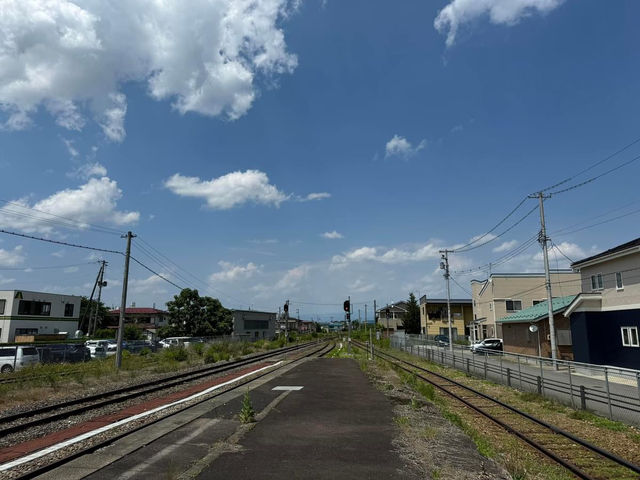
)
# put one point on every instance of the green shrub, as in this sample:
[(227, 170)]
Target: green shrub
[(175, 354), (247, 414), (198, 348)]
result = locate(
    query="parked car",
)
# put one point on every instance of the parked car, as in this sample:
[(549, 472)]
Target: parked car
[(17, 357), (173, 341), (441, 340), (97, 348), (60, 353), (488, 345)]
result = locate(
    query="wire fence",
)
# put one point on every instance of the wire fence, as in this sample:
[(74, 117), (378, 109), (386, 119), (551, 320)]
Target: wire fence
[(605, 390)]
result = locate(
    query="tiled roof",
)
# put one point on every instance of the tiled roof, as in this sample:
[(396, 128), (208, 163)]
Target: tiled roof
[(139, 311), (539, 311), (619, 248)]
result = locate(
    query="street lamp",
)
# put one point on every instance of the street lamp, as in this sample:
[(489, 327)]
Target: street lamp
[(533, 329)]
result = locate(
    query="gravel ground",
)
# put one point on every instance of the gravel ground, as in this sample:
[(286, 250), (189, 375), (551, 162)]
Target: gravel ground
[(427, 440)]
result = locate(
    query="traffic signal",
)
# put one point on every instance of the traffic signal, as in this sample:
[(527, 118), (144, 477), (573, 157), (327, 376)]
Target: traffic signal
[(286, 307), (347, 306)]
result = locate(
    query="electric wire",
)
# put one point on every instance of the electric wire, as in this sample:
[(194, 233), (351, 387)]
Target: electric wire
[(592, 166), (477, 239), (593, 179), (59, 242), (155, 273), (459, 250), (456, 282), (71, 222), (51, 267)]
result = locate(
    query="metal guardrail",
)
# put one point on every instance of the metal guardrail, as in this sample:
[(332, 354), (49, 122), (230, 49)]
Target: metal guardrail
[(606, 390)]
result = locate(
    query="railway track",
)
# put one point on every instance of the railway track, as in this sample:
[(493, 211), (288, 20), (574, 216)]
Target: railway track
[(22, 421), (582, 458), (24, 425)]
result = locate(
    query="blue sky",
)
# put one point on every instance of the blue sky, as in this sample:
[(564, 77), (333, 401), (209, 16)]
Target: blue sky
[(310, 150)]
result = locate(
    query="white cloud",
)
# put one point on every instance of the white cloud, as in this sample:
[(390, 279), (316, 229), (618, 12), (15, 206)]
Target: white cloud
[(291, 280), (503, 247), (506, 12), (88, 170), (59, 253), (315, 196), (389, 256), (232, 272), (401, 147), (332, 235), (11, 258), (151, 284), (72, 58), (70, 148), (93, 202), (571, 250), (360, 286), (229, 190), (71, 269)]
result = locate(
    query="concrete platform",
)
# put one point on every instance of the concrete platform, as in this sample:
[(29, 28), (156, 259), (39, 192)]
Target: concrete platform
[(337, 426)]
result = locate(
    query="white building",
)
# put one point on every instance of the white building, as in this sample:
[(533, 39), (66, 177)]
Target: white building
[(36, 313)]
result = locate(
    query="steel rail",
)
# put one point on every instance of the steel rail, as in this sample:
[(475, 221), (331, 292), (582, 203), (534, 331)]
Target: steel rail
[(574, 469), (103, 443), (126, 393)]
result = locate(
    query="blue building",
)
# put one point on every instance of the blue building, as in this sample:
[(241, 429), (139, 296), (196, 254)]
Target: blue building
[(605, 317)]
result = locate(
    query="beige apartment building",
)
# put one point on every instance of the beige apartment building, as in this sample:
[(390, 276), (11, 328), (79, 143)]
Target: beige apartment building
[(435, 321), (503, 294)]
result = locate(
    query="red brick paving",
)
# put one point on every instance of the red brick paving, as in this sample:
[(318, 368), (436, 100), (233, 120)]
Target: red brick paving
[(16, 451)]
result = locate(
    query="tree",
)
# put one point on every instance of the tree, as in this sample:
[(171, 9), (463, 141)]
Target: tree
[(194, 315), (85, 308), (411, 318)]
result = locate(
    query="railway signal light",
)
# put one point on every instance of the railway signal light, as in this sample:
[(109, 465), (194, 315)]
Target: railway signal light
[(347, 306)]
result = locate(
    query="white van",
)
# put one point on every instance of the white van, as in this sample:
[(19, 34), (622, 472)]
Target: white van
[(174, 342), (17, 357), (98, 348)]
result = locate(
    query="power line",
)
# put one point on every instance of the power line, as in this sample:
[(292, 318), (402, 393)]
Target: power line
[(592, 166), (556, 247), (155, 273), (499, 235), (58, 242), (52, 267), (593, 179), (72, 222), (477, 239), (464, 289)]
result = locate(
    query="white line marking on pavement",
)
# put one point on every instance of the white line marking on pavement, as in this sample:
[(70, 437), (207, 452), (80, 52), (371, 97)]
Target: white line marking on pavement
[(284, 387), (84, 436), (166, 451)]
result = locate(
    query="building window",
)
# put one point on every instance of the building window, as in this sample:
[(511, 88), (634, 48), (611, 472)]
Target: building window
[(68, 309), (2, 305), (535, 302), (26, 331), (629, 336), (596, 282), (28, 307), (513, 305), (619, 285)]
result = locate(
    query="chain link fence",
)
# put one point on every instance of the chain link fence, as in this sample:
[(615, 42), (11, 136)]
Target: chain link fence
[(608, 391)]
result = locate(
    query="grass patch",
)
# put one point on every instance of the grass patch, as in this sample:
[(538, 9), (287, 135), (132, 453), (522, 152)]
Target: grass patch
[(401, 421), (599, 421)]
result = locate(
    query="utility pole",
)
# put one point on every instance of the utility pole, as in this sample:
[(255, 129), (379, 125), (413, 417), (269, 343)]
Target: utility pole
[(444, 265), (349, 324), (286, 322), (543, 239), (123, 303), (366, 327), (375, 320), (101, 283)]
